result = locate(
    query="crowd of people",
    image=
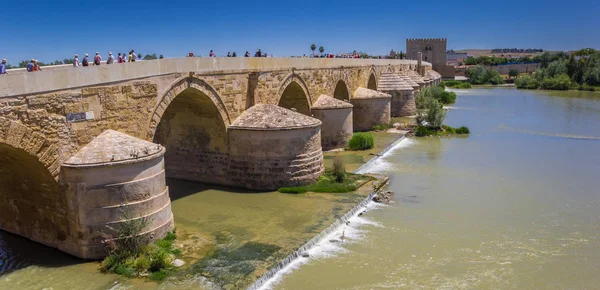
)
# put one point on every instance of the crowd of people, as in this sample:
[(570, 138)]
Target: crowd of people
[(33, 65), (212, 53)]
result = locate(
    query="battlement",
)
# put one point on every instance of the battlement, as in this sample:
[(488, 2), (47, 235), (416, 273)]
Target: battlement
[(426, 40)]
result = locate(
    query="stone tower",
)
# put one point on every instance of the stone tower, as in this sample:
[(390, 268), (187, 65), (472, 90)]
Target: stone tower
[(433, 50)]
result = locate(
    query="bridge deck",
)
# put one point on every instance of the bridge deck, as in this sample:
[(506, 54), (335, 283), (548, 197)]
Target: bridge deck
[(58, 78)]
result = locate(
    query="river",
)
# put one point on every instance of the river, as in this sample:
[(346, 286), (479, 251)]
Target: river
[(514, 205)]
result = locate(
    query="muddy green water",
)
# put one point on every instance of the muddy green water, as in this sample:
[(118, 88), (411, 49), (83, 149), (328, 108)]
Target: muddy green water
[(514, 206)]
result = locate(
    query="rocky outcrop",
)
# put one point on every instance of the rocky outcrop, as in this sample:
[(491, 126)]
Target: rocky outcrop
[(383, 197)]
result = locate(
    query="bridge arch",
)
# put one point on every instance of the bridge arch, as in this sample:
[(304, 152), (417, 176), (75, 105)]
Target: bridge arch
[(179, 86), (372, 80), (32, 202), (342, 90), (293, 93), (192, 126)]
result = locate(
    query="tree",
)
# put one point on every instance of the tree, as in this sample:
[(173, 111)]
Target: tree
[(150, 56), (513, 73), (313, 47), (161, 56), (401, 55), (139, 56), (321, 49)]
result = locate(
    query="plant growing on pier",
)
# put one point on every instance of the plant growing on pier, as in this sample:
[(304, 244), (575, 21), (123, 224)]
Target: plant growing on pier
[(361, 141), (128, 254)]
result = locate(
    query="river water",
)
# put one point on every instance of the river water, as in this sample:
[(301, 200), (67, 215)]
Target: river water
[(515, 205)]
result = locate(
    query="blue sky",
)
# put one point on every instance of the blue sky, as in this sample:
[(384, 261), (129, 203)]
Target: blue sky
[(48, 29)]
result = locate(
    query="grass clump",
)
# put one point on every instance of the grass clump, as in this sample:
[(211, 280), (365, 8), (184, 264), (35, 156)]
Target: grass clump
[(456, 85), (335, 180), (361, 141), (130, 256), (382, 127), (424, 131)]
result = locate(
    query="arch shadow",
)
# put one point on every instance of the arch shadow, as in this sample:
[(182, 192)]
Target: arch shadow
[(293, 94)]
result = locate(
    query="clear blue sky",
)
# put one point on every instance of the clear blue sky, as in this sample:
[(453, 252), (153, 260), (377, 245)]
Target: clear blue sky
[(50, 29)]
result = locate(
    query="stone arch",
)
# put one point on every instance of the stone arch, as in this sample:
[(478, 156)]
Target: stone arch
[(32, 202), (372, 82), (19, 136), (341, 91), (193, 129), (293, 93), (175, 89)]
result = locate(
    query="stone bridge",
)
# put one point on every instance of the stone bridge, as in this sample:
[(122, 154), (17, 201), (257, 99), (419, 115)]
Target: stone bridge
[(84, 150)]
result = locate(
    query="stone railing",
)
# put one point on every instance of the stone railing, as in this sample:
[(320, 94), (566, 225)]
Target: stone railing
[(68, 77)]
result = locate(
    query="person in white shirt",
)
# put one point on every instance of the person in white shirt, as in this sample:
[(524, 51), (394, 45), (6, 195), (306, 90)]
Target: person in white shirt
[(111, 58), (76, 61)]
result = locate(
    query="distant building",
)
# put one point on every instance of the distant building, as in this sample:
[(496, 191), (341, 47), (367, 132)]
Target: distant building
[(434, 52), (456, 58)]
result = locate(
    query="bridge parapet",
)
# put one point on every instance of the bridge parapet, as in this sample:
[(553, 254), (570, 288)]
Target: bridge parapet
[(18, 84)]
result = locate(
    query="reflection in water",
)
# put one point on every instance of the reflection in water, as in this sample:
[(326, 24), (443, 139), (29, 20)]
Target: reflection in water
[(499, 209)]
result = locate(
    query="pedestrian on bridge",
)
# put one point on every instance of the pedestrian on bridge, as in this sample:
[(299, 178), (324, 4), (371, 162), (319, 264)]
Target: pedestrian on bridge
[(31, 65), (111, 58), (212, 54), (76, 61), (3, 67), (97, 59)]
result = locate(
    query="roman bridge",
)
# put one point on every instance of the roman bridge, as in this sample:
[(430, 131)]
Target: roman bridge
[(82, 150)]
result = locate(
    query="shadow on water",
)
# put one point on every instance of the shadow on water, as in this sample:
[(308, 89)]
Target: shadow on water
[(17, 252), (179, 189)]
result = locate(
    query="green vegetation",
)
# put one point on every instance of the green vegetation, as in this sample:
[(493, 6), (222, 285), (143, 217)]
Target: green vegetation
[(431, 115), (479, 75), (361, 141), (456, 85), (526, 82), (580, 70), (495, 60), (437, 93), (328, 183), (423, 131), (128, 256), (513, 73), (382, 127), (339, 169)]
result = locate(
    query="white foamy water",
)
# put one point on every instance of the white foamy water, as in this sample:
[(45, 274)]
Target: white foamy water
[(332, 244)]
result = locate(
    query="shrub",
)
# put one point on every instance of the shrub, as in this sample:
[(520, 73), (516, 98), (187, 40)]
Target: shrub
[(463, 130), (513, 73), (527, 82), (433, 116), (422, 131), (479, 75), (561, 82), (448, 129), (339, 169), (159, 260), (361, 141)]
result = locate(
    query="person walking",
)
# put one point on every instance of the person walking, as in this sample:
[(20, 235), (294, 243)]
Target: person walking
[(76, 61), (212, 54), (110, 59), (36, 66), (228, 54), (3, 67), (247, 54), (119, 58), (31, 65), (85, 61), (133, 56), (97, 59), (234, 54)]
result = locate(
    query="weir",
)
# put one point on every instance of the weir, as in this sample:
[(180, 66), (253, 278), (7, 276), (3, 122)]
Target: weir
[(335, 226)]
